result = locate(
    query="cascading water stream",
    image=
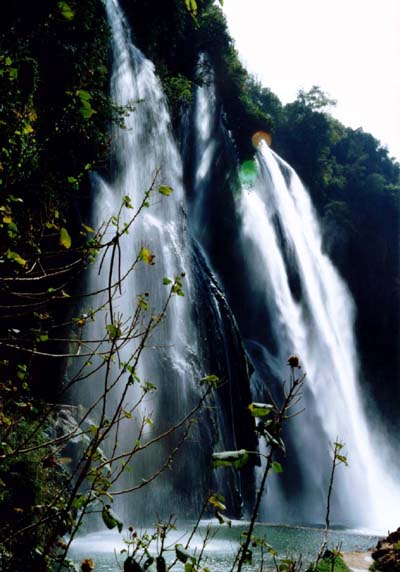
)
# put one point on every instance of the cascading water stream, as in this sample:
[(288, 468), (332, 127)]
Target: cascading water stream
[(320, 329), (178, 354), (144, 151), (287, 278), (293, 296)]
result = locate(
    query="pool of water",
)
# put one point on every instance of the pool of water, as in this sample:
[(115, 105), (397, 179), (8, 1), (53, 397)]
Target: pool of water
[(289, 541)]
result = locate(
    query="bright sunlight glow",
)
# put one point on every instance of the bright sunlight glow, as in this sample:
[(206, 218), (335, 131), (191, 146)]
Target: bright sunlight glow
[(349, 48)]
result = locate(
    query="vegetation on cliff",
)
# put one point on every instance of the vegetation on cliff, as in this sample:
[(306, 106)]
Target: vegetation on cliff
[(354, 183), (55, 115)]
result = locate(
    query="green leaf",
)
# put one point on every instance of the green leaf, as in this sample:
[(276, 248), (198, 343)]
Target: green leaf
[(114, 331), (277, 467), (110, 519), (166, 281), (215, 501), (84, 95), (79, 501), (236, 459), (88, 228), (146, 256), (271, 550), (222, 519), (27, 129), (182, 554), (166, 191), (127, 202), (87, 111), (15, 257), (260, 409), (65, 239), (191, 5), (210, 380), (66, 10)]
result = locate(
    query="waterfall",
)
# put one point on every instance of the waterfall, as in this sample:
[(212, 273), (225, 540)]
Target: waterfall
[(277, 215), (264, 245), (197, 337), (292, 300)]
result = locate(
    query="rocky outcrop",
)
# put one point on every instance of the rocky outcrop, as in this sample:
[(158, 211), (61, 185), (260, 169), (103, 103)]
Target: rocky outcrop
[(387, 553)]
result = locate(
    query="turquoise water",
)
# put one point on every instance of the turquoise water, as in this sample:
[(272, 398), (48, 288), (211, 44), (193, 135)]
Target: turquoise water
[(105, 547)]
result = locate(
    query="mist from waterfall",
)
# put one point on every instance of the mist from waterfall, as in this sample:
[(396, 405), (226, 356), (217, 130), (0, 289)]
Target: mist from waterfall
[(296, 302)]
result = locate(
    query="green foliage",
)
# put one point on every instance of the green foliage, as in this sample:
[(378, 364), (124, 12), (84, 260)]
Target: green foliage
[(65, 238), (249, 107), (110, 519), (165, 190), (235, 459), (54, 117), (260, 409), (28, 483), (182, 554), (146, 256), (54, 110), (66, 10), (191, 5), (211, 380), (315, 99), (333, 562), (277, 467), (178, 90)]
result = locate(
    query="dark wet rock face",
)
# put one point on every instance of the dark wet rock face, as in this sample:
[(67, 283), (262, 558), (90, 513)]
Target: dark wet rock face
[(387, 553)]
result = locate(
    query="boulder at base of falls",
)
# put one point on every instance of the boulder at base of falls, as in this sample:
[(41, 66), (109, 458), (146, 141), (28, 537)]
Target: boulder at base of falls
[(387, 553)]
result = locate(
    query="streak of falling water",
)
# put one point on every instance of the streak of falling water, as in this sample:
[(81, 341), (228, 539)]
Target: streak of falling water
[(277, 215), (145, 151), (286, 277)]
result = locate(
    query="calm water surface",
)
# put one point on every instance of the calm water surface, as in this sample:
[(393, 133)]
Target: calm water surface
[(105, 547)]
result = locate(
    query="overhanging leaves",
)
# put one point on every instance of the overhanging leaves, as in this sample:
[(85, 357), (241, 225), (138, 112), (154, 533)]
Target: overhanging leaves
[(277, 467), (110, 519), (182, 554), (235, 459), (65, 239), (66, 10), (146, 256), (165, 190), (260, 409)]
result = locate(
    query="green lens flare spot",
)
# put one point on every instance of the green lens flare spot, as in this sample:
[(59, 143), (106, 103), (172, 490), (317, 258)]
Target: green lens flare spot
[(248, 173)]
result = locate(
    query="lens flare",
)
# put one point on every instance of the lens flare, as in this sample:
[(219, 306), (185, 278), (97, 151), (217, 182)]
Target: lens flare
[(248, 173), (259, 137)]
